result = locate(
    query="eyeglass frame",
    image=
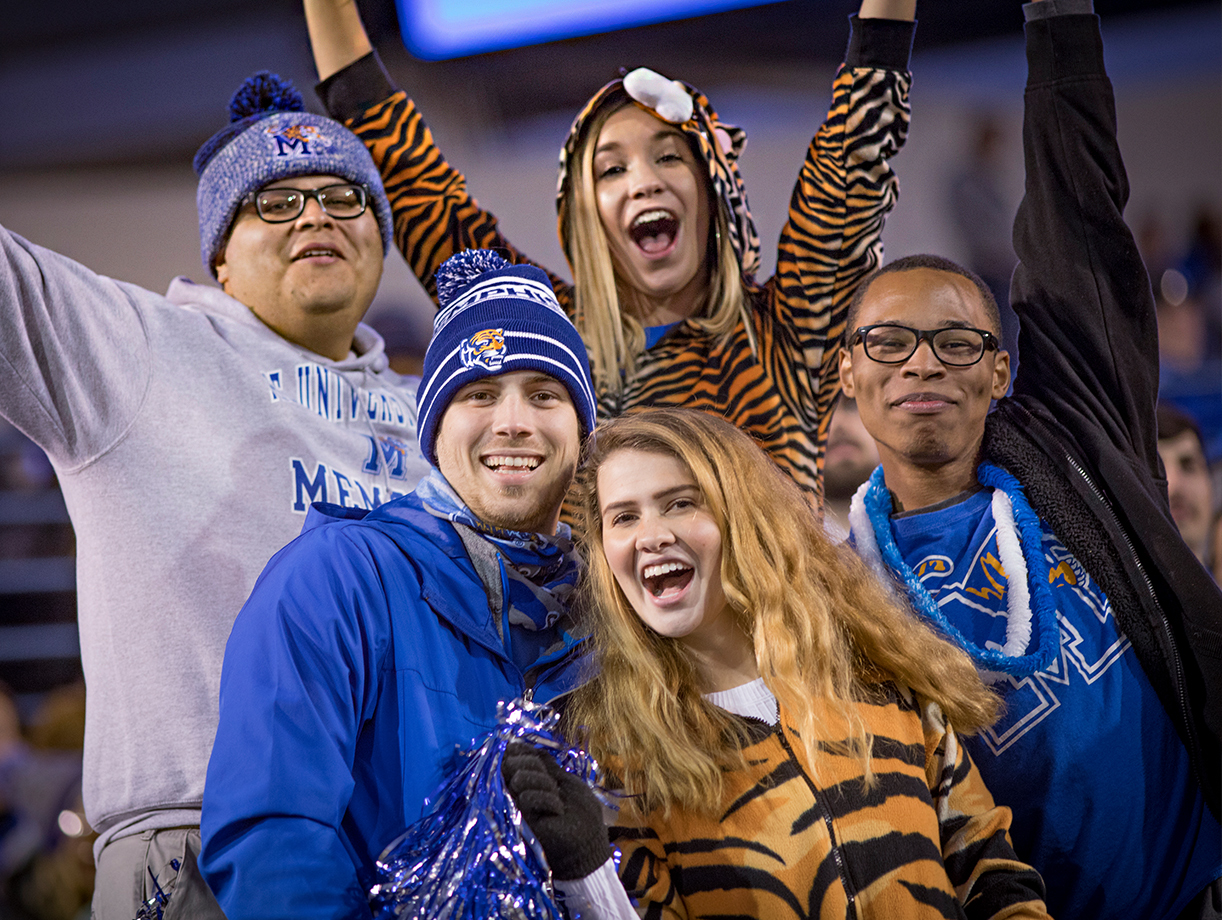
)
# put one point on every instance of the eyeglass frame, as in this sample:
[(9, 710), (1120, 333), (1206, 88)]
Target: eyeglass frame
[(306, 194), (991, 342)]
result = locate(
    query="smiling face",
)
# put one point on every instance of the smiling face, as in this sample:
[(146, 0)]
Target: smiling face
[(509, 445), (310, 279), (653, 202), (927, 418), (664, 547)]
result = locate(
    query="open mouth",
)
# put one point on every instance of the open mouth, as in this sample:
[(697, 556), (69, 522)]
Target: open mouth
[(654, 231), (311, 252), (667, 577), (511, 464)]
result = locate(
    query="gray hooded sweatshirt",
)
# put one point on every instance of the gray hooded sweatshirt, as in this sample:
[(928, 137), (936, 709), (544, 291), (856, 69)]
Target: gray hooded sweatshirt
[(189, 440)]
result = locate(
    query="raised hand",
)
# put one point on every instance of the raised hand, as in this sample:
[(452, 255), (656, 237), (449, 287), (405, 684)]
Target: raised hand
[(337, 35)]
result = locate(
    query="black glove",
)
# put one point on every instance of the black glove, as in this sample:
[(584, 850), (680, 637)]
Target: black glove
[(561, 810)]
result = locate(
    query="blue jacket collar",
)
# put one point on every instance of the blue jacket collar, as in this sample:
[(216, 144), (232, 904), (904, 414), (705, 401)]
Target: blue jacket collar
[(447, 576)]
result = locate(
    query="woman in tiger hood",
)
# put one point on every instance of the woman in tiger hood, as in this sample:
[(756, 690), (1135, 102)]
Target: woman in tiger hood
[(654, 220)]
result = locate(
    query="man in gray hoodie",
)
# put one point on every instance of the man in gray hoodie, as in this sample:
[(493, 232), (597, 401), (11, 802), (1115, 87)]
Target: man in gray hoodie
[(190, 433)]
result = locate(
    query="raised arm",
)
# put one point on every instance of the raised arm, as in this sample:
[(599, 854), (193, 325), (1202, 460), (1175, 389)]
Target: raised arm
[(888, 9), (337, 35), (832, 239), (1089, 340), (845, 187), (434, 214), (74, 351)]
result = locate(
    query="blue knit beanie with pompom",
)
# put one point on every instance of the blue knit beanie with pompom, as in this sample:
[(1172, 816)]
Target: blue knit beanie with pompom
[(497, 318), (271, 137)]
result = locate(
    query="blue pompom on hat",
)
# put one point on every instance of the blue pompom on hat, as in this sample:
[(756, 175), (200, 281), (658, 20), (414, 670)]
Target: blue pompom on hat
[(497, 318), (271, 137)]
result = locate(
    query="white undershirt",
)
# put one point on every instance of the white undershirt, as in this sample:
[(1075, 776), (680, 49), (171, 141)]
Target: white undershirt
[(752, 699), (599, 895)]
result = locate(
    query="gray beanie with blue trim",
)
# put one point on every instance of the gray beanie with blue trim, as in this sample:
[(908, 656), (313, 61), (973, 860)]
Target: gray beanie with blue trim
[(270, 137), (497, 318)]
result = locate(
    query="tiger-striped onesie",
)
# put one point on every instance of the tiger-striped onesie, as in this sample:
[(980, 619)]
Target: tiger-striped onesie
[(831, 241), (787, 841)]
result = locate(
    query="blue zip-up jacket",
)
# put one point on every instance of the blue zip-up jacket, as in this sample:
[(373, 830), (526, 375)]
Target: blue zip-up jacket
[(366, 655)]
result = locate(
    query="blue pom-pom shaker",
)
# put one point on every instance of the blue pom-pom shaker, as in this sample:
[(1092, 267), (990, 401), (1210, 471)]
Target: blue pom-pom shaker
[(472, 857)]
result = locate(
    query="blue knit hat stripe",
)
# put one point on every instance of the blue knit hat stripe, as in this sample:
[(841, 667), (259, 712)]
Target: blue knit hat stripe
[(583, 382), (500, 288), (564, 370), (426, 392), (427, 395)]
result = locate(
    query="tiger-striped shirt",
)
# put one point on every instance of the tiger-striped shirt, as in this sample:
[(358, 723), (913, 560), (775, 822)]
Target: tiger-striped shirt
[(830, 242), (787, 841)]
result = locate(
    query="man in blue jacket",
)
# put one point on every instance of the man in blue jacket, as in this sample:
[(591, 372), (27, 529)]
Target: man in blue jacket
[(377, 643), (1039, 537)]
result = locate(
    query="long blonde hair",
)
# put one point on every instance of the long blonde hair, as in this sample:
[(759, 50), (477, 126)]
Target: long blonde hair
[(823, 627), (613, 336)]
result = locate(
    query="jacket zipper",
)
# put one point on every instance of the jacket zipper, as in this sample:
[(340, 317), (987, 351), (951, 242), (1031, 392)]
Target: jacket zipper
[(1177, 668), (530, 677), (850, 892)]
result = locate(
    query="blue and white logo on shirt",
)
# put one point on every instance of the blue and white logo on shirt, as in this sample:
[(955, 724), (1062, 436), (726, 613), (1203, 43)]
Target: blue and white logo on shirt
[(981, 588)]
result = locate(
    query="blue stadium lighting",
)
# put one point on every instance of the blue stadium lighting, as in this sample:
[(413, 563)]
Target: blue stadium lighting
[(440, 29)]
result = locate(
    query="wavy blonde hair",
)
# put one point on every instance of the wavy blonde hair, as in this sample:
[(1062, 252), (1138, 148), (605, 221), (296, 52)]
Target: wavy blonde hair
[(613, 335), (823, 627)]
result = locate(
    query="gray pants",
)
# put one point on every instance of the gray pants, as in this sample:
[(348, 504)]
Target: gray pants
[(1205, 906), (124, 883)]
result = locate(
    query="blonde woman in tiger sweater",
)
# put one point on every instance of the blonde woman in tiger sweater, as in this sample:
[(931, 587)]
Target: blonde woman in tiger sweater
[(653, 218), (782, 728)]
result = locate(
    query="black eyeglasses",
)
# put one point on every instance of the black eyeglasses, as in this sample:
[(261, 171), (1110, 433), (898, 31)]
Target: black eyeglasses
[(280, 205), (955, 346)]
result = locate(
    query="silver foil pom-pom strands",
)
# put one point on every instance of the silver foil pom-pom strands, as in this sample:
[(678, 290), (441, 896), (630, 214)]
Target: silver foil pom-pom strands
[(472, 857)]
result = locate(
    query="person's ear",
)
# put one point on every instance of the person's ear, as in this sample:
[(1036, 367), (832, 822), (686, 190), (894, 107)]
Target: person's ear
[(222, 269), (846, 372), (1001, 374)]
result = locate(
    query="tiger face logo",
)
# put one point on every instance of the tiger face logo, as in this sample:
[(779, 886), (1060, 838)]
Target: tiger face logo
[(485, 349)]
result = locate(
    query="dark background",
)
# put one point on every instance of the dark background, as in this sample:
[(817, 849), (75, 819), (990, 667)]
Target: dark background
[(145, 37)]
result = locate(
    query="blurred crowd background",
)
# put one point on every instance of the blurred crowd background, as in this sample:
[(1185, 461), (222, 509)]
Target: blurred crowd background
[(106, 105)]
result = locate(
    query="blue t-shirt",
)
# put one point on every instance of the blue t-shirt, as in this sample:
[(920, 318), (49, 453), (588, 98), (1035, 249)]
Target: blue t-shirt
[(1104, 800), (654, 334)]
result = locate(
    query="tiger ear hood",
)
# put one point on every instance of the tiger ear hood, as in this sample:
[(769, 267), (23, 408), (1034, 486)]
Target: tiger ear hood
[(718, 145)]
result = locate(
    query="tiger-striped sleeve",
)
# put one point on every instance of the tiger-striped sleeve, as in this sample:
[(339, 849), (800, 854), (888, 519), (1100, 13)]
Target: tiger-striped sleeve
[(434, 214), (990, 880), (645, 872), (832, 238)]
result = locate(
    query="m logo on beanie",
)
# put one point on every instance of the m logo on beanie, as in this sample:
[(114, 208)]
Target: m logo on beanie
[(485, 349), (294, 140)]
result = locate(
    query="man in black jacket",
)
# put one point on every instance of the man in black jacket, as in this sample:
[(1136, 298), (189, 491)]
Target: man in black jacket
[(1039, 537)]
